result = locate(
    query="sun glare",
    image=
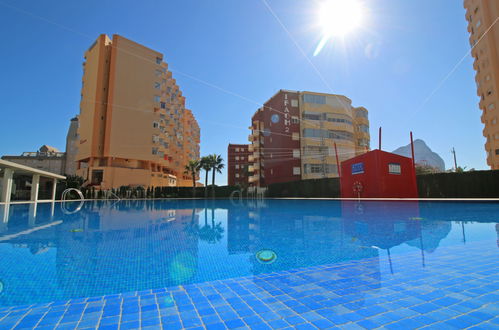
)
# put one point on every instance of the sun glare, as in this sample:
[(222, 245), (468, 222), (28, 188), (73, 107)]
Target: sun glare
[(337, 18)]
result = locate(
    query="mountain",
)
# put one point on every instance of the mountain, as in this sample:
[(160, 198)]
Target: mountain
[(423, 154)]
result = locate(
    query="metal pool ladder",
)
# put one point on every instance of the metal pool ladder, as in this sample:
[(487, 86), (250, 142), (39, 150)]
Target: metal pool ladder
[(63, 199), (67, 191)]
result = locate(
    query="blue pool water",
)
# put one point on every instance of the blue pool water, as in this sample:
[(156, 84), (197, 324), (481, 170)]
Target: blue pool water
[(108, 248)]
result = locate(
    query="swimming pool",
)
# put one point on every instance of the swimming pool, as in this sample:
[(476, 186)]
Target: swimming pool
[(110, 248)]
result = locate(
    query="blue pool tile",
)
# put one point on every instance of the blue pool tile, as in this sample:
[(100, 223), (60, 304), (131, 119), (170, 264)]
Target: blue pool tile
[(305, 326), (295, 320), (323, 323), (236, 323), (446, 301), (425, 308), (216, 326), (278, 324)]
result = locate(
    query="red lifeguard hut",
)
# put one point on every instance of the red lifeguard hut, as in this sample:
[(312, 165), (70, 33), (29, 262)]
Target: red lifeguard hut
[(379, 174)]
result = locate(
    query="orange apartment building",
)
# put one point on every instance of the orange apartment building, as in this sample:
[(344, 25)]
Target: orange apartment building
[(238, 157), (484, 38), (134, 128)]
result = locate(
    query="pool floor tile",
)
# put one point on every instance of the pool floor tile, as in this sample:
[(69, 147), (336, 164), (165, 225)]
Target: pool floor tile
[(360, 294)]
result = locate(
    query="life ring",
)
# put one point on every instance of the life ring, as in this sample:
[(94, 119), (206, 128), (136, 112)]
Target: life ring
[(357, 187)]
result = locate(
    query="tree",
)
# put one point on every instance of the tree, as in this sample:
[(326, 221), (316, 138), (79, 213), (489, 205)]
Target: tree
[(216, 166), (206, 165), (74, 181), (192, 169), (425, 169)]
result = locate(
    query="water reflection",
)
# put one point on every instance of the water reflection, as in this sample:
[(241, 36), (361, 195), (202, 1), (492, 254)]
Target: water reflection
[(109, 247)]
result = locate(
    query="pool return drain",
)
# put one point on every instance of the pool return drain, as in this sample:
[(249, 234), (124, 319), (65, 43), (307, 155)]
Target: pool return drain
[(266, 256)]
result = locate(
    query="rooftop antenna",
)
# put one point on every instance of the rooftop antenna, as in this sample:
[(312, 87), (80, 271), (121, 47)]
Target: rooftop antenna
[(453, 151), (379, 138)]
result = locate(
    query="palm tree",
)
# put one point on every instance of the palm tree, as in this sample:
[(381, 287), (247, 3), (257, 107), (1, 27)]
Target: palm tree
[(206, 165), (192, 169), (216, 166)]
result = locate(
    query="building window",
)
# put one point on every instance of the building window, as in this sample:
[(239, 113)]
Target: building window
[(237, 157), (237, 149), (156, 98), (312, 115), (294, 103), (295, 136), (394, 168), (155, 138), (154, 151), (158, 60), (491, 106), (363, 143), (296, 171), (361, 113), (237, 175), (314, 99), (478, 23), (363, 128), (157, 85), (497, 152), (237, 167), (158, 73), (295, 120), (155, 124), (296, 153), (163, 105)]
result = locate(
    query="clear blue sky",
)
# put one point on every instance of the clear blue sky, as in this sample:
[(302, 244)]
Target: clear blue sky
[(390, 66)]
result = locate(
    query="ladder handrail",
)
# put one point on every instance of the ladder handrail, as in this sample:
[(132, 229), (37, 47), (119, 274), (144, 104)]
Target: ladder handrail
[(67, 191), (63, 199)]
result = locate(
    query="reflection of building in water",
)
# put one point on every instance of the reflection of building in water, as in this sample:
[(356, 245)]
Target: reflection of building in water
[(382, 225), (386, 225), (300, 239), (240, 231), (131, 246), (149, 246), (432, 232)]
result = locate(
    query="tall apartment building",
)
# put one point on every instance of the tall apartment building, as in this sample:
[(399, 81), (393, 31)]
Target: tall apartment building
[(294, 133), (134, 127), (237, 164), (481, 16)]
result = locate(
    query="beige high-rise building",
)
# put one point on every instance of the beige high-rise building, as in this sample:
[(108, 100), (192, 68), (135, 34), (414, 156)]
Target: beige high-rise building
[(484, 38), (134, 128), (293, 136)]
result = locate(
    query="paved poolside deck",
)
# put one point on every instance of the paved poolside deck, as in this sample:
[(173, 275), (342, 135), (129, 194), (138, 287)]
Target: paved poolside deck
[(449, 292)]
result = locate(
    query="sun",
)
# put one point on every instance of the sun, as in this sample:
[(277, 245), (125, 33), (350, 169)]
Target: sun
[(338, 18)]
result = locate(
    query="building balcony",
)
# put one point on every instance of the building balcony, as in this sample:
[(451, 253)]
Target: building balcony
[(251, 168), (256, 166), (251, 159), (253, 178), (250, 148), (256, 155)]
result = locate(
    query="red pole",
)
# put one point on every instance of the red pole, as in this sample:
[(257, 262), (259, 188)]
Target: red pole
[(337, 160), (379, 138), (414, 167), (413, 159)]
